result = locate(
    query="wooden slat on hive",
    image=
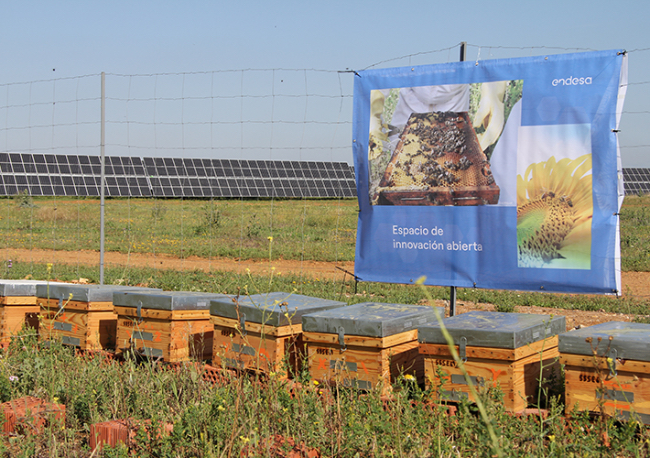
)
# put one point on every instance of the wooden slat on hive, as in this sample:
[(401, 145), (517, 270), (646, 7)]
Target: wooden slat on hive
[(255, 351), (178, 338)]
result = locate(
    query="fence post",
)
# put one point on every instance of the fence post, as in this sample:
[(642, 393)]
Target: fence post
[(102, 193)]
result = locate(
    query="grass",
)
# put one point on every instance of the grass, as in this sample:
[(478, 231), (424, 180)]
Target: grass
[(322, 230), (233, 283), (245, 416)]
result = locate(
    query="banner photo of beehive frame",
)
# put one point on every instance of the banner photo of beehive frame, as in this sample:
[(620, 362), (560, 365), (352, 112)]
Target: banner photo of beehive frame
[(493, 174)]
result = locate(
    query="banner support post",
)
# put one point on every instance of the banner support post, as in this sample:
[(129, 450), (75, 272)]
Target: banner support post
[(452, 289)]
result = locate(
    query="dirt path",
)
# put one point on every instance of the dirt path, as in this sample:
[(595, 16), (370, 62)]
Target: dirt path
[(634, 283), (317, 269)]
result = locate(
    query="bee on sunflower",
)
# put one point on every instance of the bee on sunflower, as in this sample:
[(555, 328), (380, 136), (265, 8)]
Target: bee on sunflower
[(554, 214)]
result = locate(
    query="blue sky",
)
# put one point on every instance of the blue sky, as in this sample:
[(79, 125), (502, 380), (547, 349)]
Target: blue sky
[(150, 37)]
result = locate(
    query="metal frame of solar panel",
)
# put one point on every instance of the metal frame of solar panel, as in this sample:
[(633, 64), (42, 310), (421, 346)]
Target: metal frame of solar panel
[(72, 175), (636, 181)]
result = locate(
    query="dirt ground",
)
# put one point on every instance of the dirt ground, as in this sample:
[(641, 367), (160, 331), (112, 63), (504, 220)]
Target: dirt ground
[(633, 283)]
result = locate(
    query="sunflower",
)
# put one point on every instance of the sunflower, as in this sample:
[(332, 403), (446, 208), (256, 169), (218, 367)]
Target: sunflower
[(554, 213)]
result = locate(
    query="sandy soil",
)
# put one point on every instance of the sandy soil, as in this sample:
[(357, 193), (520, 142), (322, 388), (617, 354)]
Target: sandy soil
[(634, 283)]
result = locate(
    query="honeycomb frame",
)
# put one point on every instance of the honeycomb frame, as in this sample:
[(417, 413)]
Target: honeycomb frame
[(438, 161)]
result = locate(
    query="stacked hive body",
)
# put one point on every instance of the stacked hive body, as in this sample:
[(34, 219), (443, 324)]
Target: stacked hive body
[(174, 326), (18, 307), (607, 369), (80, 315), (365, 344), (498, 349), (262, 332)]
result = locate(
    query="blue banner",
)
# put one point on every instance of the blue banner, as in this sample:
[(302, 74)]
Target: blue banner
[(498, 174)]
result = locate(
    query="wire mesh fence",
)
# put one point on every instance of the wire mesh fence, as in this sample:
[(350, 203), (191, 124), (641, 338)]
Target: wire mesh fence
[(247, 119)]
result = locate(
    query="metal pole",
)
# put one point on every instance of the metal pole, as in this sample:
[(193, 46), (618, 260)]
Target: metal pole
[(452, 290), (102, 194)]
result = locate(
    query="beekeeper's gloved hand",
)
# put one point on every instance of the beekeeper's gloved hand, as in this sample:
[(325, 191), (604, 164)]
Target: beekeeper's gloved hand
[(490, 113)]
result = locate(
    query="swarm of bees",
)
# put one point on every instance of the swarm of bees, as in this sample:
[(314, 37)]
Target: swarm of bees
[(434, 153)]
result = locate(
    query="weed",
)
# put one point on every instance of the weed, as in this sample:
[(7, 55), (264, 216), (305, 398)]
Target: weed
[(25, 200), (507, 308), (158, 211)]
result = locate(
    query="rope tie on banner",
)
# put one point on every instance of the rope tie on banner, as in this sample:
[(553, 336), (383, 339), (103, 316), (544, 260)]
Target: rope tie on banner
[(350, 71)]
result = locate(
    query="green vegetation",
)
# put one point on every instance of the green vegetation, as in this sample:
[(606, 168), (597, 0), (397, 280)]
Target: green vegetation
[(323, 230), (635, 234), (234, 283), (247, 416)]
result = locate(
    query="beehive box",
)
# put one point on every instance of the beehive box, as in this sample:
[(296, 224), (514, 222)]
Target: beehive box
[(174, 326), (438, 161), (80, 315), (18, 307), (365, 344), (607, 369), (262, 332), (498, 349)]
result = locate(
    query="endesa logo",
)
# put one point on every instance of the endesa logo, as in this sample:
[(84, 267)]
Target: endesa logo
[(571, 81)]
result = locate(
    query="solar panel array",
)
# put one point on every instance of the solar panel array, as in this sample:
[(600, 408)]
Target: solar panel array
[(636, 180), (71, 175)]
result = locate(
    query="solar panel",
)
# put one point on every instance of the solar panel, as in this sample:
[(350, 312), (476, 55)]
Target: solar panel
[(59, 174)]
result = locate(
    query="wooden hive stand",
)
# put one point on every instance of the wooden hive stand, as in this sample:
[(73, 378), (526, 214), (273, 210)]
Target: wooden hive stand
[(263, 332), (504, 350), (173, 326), (365, 345), (607, 370), (80, 315)]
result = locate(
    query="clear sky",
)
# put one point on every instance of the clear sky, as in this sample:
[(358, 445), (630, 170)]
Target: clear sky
[(45, 40)]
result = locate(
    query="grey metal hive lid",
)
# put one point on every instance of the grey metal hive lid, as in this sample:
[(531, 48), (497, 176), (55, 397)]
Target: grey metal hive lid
[(629, 341), (166, 300), (272, 308), (494, 329), (85, 293), (370, 319), (23, 287)]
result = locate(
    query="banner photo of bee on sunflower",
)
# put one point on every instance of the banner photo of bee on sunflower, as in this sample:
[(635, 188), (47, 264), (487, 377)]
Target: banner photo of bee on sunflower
[(492, 174)]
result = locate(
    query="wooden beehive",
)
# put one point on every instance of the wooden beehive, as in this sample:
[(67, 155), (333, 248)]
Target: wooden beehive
[(174, 326), (502, 350), (438, 161), (607, 369), (80, 315), (263, 332), (365, 344), (18, 307)]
